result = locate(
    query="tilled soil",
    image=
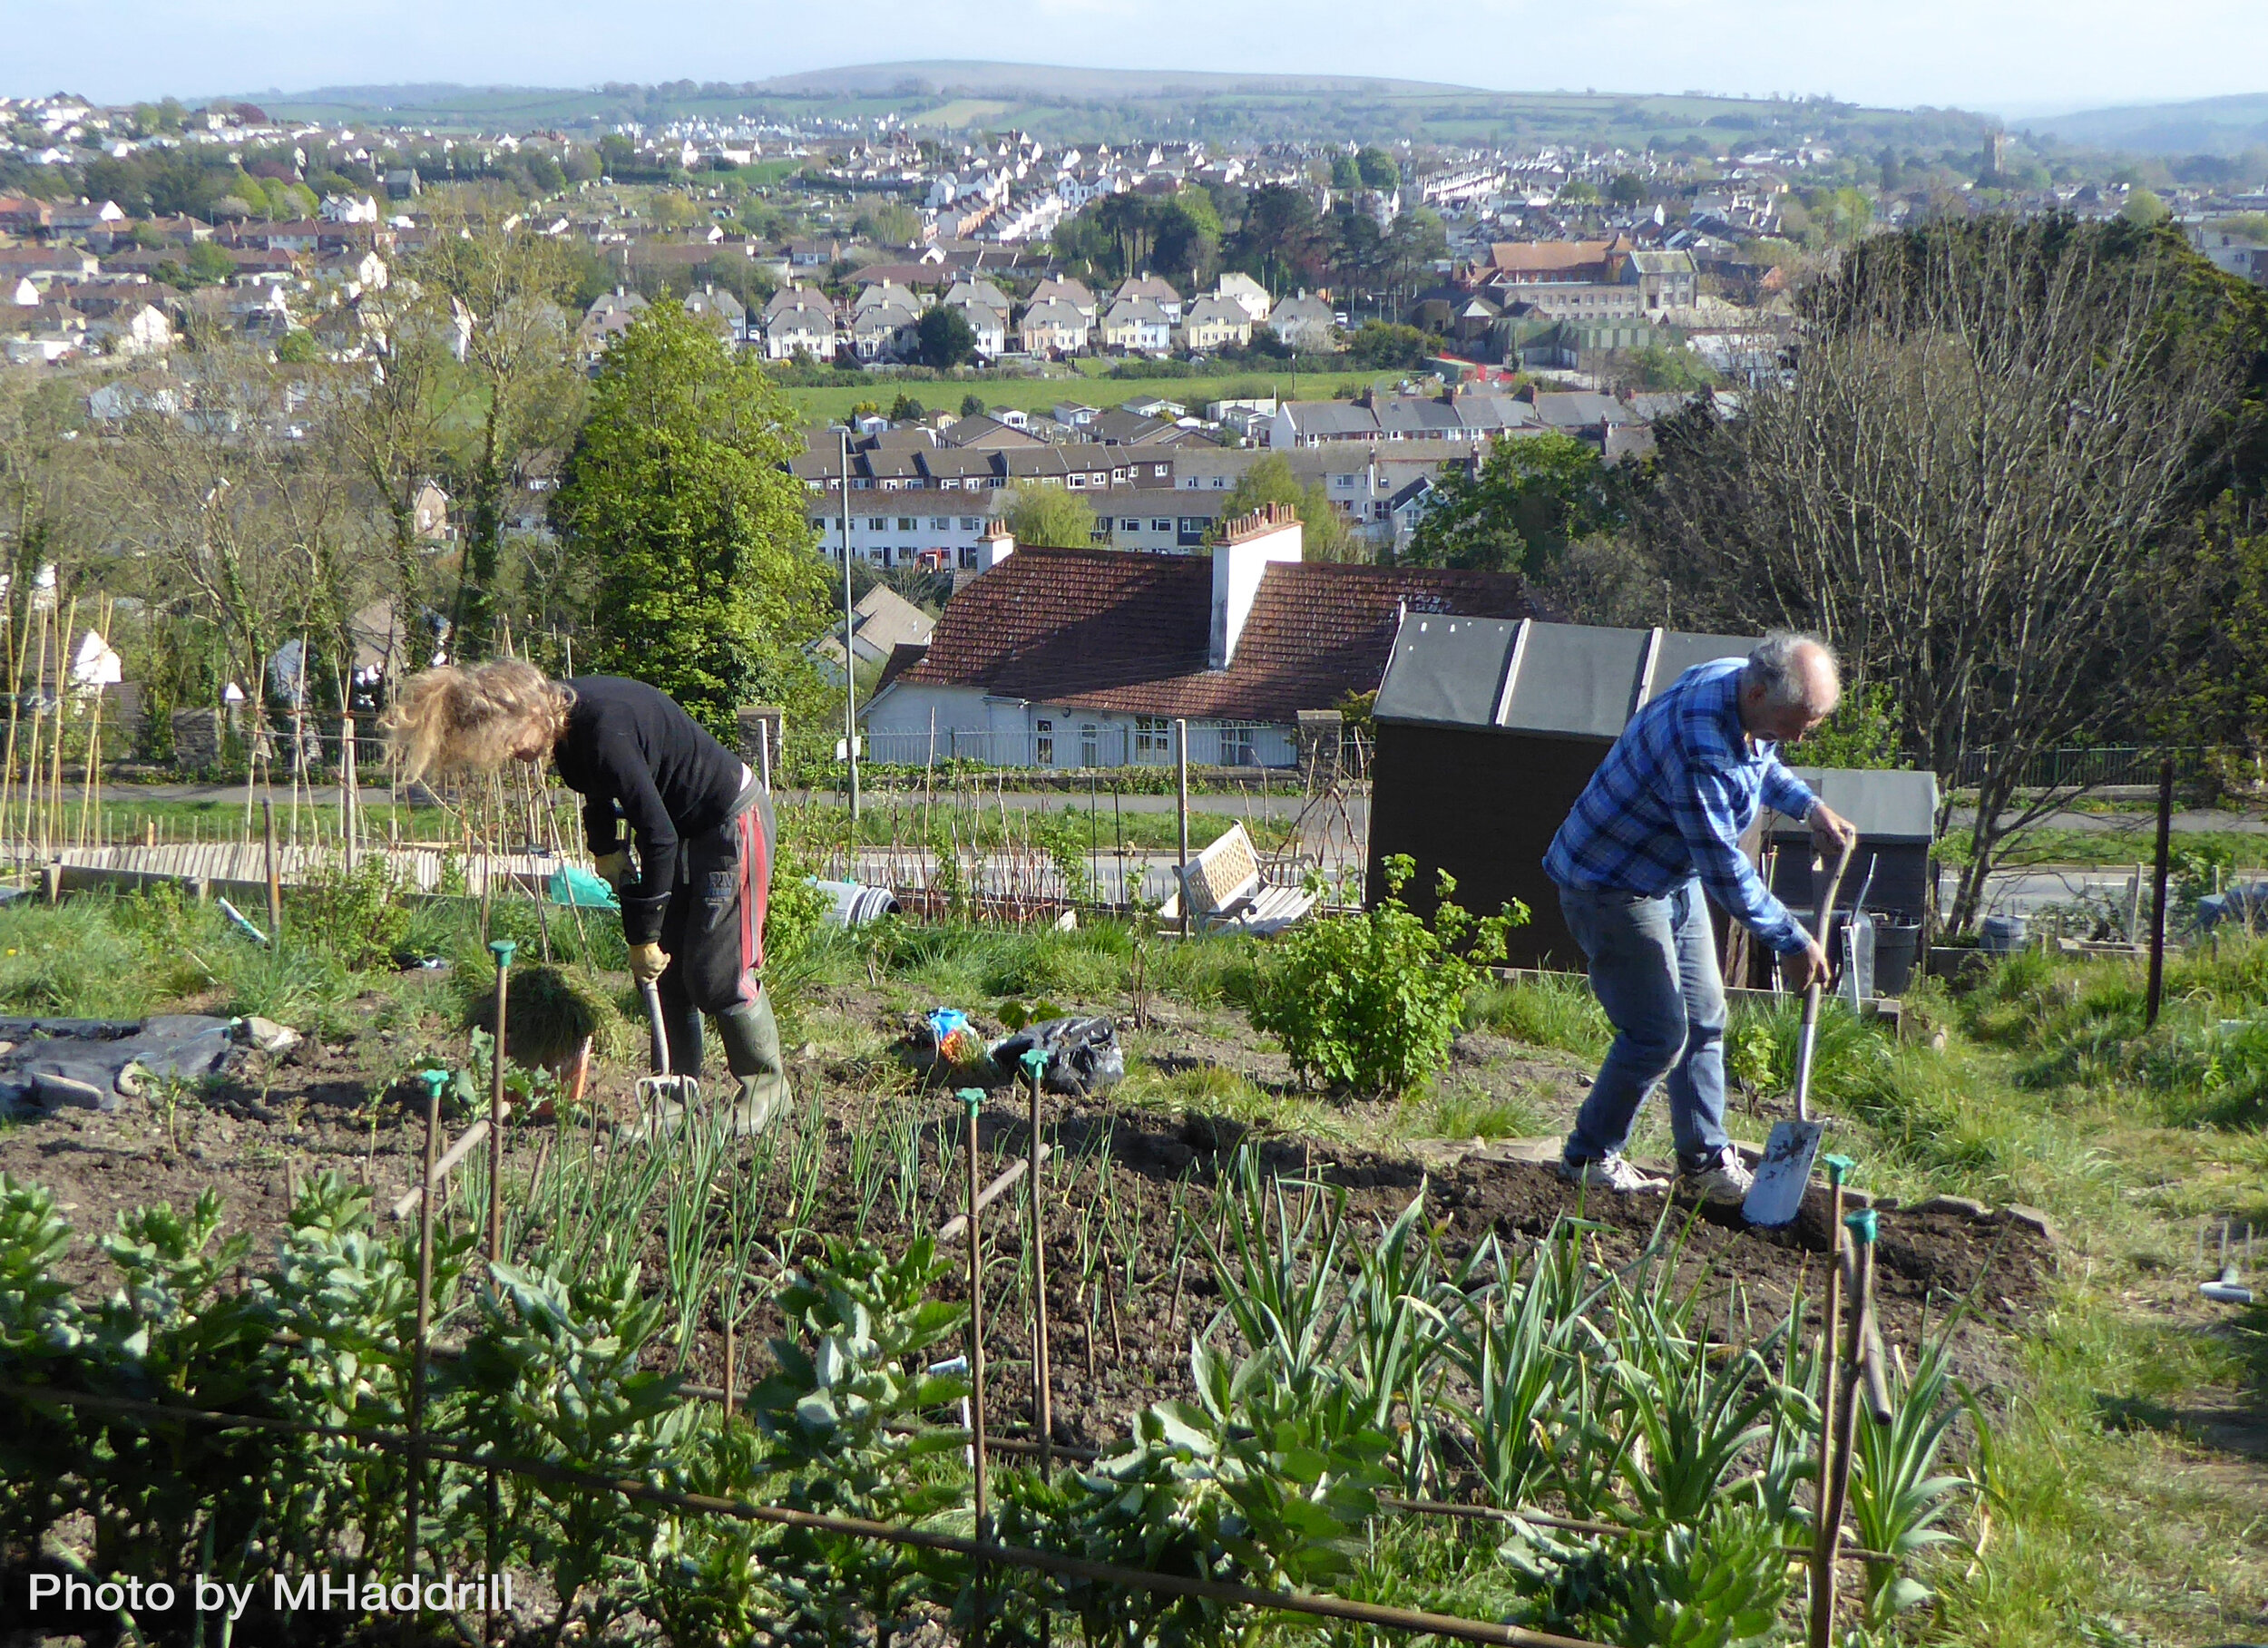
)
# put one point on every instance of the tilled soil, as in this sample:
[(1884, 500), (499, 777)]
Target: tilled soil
[(271, 1123)]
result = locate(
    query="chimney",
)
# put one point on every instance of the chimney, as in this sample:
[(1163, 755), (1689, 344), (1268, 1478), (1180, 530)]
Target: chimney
[(995, 544), (1240, 559)]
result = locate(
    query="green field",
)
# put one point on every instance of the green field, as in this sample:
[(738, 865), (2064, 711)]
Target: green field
[(1086, 105), (1039, 393)]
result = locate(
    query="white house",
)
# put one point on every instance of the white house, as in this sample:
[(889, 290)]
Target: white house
[(1054, 327), (1085, 658), (1138, 325)]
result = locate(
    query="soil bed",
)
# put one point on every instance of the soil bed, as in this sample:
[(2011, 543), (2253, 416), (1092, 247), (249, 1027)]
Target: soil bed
[(270, 1123)]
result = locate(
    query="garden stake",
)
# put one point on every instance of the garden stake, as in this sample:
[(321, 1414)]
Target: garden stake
[(434, 1081), (1831, 1322), (275, 885), (502, 949), (973, 1097), (1110, 1296), (1042, 1394), (2156, 992), (1836, 1476)]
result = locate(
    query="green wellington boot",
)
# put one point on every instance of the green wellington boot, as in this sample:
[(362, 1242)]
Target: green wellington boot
[(751, 1039)]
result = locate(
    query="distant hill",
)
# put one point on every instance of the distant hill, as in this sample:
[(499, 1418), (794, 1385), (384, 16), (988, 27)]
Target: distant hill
[(2212, 125), (1126, 105), (1050, 81)]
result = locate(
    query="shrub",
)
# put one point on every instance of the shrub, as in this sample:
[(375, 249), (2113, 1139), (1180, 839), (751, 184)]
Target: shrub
[(1371, 1002), (358, 914)]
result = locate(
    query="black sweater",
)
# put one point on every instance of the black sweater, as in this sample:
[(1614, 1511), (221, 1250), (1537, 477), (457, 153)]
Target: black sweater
[(628, 745)]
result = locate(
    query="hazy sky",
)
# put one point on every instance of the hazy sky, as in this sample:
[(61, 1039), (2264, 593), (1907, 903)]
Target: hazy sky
[(2012, 55)]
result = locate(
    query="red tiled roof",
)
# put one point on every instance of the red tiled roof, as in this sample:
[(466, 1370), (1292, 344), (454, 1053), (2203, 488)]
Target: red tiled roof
[(1122, 630)]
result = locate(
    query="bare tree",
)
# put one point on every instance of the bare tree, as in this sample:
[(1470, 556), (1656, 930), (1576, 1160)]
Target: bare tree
[(1975, 480), (506, 285), (235, 505), (391, 416)]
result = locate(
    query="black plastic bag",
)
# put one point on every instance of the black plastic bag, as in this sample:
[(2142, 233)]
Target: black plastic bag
[(1083, 1054)]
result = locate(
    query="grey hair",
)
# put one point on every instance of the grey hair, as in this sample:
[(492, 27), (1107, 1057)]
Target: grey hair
[(1773, 666)]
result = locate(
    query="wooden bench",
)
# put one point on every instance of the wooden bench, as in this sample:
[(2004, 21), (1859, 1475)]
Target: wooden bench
[(1227, 891)]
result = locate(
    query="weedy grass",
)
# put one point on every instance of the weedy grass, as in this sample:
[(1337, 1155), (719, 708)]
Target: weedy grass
[(1546, 1010), (1460, 1112)]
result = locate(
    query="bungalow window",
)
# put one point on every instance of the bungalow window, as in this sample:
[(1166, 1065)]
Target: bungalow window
[(1153, 738), (1043, 744), (1089, 744), (1236, 747)]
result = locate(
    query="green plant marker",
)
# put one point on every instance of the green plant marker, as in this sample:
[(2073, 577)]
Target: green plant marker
[(1862, 1224), (434, 1081), (502, 949), (1035, 1063), (1838, 1167)]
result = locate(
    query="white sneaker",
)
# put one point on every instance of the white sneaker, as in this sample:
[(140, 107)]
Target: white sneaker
[(1726, 1181), (1609, 1172)]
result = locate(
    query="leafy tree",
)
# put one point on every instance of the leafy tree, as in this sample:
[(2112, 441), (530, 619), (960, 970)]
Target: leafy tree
[(1381, 345), (1862, 731), (1624, 190), (1323, 533), (888, 223), (907, 408), (1276, 241), (945, 337), (1188, 234), (1377, 169), (678, 493), (2144, 206), (1344, 173), (1049, 517), (1666, 368), (1530, 498), (208, 264), (1578, 193), (296, 347), (972, 405)]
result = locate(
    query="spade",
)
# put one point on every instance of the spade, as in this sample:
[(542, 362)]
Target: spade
[(1787, 1167)]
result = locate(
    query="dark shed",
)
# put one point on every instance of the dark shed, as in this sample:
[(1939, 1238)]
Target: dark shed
[(1896, 815), (1488, 728)]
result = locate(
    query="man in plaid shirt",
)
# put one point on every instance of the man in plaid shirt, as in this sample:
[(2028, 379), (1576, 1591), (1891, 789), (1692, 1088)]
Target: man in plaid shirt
[(1659, 824)]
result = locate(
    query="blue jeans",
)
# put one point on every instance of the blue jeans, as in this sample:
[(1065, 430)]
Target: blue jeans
[(1654, 968)]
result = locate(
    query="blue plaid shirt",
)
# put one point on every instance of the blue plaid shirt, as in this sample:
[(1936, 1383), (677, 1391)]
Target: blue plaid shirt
[(1672, 800)]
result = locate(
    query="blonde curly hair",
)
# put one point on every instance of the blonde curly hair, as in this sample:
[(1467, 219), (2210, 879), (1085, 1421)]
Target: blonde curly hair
[(449, 719)]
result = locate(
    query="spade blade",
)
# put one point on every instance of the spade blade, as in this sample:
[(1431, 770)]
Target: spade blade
[(1784, 1174)]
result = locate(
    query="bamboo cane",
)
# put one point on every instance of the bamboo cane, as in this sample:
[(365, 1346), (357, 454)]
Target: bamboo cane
[(1043, 1392), (1862, 1227), (502, 949), (433, 1080), (973, 1098), (1822, 1561)]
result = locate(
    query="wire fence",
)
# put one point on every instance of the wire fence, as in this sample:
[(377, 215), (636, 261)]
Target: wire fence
[(2124, 764)]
